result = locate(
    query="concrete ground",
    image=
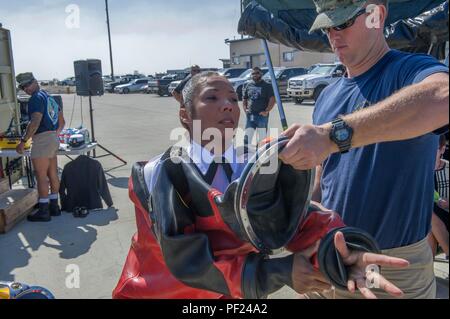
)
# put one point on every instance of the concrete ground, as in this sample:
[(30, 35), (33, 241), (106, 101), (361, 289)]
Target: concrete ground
[(135, 127)]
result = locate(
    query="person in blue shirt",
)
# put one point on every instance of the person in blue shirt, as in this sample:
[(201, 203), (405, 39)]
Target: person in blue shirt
[(373, 137), (46, 122)]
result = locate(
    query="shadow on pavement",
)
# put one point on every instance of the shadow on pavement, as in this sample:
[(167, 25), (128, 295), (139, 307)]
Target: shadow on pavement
[(119, 182), (72, 237), (309, 103)]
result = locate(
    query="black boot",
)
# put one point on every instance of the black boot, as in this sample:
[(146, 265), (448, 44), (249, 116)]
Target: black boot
[(42, 215), (54, 208)]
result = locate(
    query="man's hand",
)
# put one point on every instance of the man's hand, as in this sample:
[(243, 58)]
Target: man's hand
[(304, 277), (20, 148), (265, 113), (245, 105), (358, 262), (308, 147)]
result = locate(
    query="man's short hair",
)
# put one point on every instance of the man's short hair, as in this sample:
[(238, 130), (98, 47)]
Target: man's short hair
[(257, 69)]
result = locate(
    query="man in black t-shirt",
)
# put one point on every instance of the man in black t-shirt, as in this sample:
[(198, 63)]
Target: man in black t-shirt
[(259, 100)]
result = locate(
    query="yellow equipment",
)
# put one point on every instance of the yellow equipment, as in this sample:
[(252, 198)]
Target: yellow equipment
[(8, 143)]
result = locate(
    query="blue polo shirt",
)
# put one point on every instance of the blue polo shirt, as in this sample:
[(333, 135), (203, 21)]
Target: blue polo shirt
[(386, 188), (43, 103)]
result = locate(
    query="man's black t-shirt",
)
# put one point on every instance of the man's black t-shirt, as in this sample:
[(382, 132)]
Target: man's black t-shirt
[(258, 96)]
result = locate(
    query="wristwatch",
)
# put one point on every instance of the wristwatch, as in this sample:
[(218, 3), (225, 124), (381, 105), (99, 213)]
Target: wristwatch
[(23, 140), (342, 135)]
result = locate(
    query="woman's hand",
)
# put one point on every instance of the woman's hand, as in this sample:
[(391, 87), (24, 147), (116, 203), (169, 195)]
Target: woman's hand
[(359, 261), (304, 277)]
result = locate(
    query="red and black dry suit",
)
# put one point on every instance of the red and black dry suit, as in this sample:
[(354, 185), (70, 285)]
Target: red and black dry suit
[(195, 254)]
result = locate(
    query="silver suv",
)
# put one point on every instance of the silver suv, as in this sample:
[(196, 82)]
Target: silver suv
[(309, 86), (138, 85)]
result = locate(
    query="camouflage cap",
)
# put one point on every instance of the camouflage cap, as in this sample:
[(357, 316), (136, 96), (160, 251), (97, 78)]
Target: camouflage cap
[(332, 13), (25, 78)]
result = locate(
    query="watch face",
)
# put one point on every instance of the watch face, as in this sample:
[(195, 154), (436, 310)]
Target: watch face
[(342, 135)]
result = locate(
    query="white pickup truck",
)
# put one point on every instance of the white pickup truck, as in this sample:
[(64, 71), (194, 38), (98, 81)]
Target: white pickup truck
[(309, 86)]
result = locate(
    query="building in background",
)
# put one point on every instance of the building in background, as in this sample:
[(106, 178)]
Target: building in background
[(249, 52), (226, 63)]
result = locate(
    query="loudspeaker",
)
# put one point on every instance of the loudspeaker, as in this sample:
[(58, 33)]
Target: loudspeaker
[(88, 77)]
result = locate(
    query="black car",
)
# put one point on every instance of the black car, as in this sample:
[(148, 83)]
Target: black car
[(161, 86), (283, 75)]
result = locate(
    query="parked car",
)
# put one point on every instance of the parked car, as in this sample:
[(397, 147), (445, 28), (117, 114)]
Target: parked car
[(135, 76), (109, 87), (161, 86), (138, 85), (107, 79), (232, 73), (283, 75), (173, 85), (67, 82), (238, 83), (309, 86)]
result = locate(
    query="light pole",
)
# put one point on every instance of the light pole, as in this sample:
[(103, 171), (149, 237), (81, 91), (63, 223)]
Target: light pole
[(242, 11), (109, 38)]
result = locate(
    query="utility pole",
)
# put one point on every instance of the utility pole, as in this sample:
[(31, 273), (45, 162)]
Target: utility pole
[(109, 38), (242, 11)]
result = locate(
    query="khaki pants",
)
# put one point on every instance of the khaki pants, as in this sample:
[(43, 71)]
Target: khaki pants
[(45, 145), (417, 281)]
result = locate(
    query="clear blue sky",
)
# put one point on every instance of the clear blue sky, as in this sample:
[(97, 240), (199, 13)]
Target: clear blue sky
[(148, 36)]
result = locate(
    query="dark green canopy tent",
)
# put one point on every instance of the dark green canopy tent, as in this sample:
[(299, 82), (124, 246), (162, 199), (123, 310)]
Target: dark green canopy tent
[(412, 25)]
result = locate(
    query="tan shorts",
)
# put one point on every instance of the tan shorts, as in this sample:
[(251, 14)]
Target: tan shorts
[(45, 145), (417, 281)]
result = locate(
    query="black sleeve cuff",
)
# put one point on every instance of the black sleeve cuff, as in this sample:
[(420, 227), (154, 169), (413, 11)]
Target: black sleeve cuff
[(263, 276), (442, 130)]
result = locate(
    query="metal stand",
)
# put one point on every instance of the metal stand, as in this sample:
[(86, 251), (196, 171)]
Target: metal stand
[(276, 91), (108, 152), (28, 168)]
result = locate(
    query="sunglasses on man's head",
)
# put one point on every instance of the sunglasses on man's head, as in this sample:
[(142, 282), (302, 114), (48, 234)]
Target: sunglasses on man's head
[(346, 24)]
